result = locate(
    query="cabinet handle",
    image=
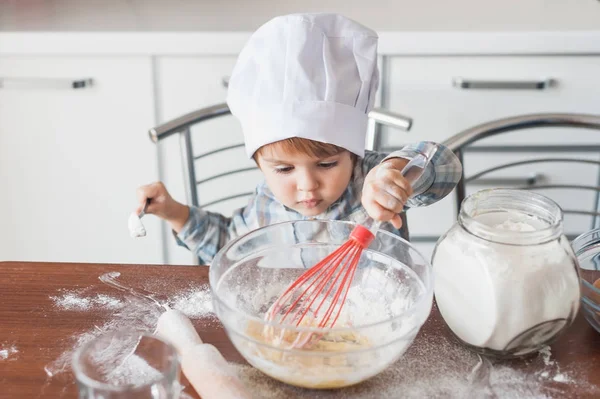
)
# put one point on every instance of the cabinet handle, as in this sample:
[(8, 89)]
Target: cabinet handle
[(225, 81), (45, 83), (473, 84), (509, 181)]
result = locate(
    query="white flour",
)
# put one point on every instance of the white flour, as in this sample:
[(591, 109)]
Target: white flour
[(136, 228), (129, 312), (134, 371), (489, 293), (546, 355), (194, 303), (134, 313), (73, 300), (7, 352)]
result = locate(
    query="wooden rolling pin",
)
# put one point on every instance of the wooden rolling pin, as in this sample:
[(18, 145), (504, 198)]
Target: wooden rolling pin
[(203, 365)]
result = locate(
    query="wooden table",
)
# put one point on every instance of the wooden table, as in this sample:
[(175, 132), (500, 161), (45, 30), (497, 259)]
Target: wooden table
[(40, 332)]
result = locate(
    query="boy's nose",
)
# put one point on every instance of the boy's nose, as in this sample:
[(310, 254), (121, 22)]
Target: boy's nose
[(307, 182)]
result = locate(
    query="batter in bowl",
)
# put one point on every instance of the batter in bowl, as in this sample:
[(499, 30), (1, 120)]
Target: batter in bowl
[(326, 361)]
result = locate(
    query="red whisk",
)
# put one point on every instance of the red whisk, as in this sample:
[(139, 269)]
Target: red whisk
[(317, 297)]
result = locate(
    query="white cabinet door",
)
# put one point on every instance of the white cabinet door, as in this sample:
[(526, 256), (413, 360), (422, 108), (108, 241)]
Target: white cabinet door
[(186, 84), (422, 87), (71, 159)]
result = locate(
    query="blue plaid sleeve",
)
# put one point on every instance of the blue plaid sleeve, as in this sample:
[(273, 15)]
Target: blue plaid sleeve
[(204, 233), (440, 177)]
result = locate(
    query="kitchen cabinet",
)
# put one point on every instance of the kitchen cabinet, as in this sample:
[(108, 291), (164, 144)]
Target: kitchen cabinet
[(71, 159), (424, 88)]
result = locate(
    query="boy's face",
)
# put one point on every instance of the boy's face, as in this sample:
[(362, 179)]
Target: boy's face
[(306, 184)]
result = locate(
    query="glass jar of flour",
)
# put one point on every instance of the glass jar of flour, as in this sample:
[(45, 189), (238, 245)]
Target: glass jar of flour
[(506, 278)]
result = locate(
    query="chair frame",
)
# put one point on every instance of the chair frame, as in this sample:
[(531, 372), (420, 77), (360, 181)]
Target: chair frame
[(459, 142), (183, 124)]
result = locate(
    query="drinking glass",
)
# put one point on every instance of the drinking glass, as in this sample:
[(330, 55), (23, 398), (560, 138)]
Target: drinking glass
[(127, 364)]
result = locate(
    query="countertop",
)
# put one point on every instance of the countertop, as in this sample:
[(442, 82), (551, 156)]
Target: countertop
[(43, 319)]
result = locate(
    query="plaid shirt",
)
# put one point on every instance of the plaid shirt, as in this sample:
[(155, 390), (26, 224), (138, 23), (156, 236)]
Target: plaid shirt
[(205, 233)]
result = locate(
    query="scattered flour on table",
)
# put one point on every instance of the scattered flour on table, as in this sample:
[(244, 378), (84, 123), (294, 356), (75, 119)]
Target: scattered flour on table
[(546, 354), (128, 312), (434, 367), (134, 313), (73, 300), (7, 352), (194, 303)]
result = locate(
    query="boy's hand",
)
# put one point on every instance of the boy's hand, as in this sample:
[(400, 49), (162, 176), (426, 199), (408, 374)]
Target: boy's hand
[(385, 191), (162, 205)]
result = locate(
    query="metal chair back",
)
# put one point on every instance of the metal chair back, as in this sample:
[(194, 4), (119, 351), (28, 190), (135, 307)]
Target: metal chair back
[(463, 142)]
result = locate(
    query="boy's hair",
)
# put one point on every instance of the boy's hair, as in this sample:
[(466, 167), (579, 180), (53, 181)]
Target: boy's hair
[(312, 148)]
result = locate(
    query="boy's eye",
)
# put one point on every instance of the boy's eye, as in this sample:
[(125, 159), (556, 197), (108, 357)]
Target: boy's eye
[(284, 169), (327, 165)]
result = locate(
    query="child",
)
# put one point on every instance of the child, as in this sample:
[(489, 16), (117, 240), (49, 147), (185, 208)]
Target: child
[(302, 88)]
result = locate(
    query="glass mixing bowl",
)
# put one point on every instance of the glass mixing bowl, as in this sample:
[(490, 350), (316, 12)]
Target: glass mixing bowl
[(587, 250), (389, 300)]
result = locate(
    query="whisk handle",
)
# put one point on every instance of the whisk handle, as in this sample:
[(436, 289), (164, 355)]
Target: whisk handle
[(362, 235), (375, 227)]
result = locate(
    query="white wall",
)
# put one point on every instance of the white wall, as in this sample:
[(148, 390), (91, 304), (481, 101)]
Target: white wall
[(247, 15)]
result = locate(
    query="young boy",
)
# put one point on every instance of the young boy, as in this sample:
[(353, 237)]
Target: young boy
[(302, 88)]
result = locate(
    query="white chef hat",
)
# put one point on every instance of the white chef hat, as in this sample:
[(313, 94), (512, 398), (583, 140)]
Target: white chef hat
[(306, 75)]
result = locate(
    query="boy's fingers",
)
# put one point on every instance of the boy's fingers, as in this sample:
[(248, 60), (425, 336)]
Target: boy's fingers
[(396, 179), (390, 202), (396, 221), (396, 192), (149, 192), (377, 212), (142, 193)]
